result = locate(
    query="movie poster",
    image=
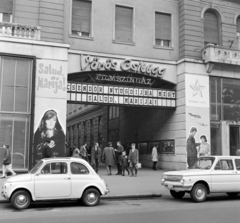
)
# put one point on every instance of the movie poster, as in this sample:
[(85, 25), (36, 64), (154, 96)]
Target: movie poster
[(197, 117), (50, 109)]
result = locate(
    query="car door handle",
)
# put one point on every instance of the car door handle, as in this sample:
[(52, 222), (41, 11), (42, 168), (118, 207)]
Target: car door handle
[(68, 178)]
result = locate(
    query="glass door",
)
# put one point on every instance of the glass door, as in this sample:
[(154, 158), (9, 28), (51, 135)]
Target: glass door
[(234, 139)]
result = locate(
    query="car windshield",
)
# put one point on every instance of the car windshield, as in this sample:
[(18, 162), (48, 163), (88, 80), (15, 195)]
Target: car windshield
[(204, 163), (36, 167)]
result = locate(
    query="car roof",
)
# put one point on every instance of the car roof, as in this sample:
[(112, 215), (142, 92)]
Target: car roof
[(222, 157), (65, 159)]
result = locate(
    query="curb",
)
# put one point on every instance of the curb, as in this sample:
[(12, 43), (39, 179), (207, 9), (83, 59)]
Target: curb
[(135, 196)]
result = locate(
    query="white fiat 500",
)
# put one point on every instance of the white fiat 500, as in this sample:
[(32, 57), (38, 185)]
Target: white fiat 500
[(212, 174), (56, 179)]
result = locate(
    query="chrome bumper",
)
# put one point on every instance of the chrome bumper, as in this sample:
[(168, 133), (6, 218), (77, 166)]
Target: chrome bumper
[(177, 187)]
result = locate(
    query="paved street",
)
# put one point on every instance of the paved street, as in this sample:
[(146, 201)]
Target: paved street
[(220, 209)]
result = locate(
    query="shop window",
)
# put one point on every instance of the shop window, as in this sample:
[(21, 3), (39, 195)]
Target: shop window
[(15, 108), (163, 29), (231, 99), (215, 92), (15, 85), (6, 8), (211, 28), (124, 24), (238, 31), (81, 18)]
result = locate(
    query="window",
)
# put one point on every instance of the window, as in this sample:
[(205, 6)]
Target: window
[(54, 168), (163, 29), (211, 28), (224, 165), (78, 168), (81, 18), (237, 163), (238, 31), (124, 24), (6, 8), (15, 108)]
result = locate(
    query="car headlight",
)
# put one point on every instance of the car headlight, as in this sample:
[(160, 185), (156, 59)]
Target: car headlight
[(182, 181)]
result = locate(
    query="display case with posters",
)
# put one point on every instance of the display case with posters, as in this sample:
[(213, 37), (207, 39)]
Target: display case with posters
[(167, 146)]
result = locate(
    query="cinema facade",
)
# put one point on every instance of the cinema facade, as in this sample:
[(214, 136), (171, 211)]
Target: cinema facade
[(100, 98), (138, 100)]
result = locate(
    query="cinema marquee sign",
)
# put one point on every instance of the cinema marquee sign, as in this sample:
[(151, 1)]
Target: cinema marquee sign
[(133, 96), (94, 63)]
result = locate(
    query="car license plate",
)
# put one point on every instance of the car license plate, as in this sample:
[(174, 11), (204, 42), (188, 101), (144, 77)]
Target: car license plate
[(170, 186)]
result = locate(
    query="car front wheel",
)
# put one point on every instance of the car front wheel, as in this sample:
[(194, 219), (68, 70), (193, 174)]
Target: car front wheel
[(177, 194), (91, 197), (199, 193), (21, 199), (233, 194)]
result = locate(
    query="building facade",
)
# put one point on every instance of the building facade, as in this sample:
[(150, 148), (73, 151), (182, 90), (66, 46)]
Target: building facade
[(183, 53)]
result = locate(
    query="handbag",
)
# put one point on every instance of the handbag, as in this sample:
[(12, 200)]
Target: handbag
[(138, 166)]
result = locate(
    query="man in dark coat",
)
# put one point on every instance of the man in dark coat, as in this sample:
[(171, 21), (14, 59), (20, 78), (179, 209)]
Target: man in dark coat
[(108, 157), (96, 155), (118, 152), (191, 148)]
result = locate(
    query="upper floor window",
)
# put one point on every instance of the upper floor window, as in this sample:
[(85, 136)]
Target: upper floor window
[(238, 31), (211, 28), (81, 18), (124, 24), (163, 29), (6, 8)]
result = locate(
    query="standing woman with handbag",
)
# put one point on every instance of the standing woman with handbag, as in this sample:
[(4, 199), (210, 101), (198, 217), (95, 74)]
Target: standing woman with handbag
[(154, 157), (6, 162), (133, 159)]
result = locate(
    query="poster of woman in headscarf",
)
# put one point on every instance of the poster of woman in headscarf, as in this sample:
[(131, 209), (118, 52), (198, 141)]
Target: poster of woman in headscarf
[(49, 131)]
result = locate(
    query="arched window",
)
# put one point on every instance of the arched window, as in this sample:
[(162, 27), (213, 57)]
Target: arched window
[(238, 24), (212, 32), (238, 31)]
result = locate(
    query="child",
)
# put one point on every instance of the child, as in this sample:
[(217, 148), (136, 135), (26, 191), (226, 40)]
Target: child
[(124, 163)]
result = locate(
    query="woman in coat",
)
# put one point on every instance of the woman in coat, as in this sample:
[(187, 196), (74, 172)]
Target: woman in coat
[(108, 157), (154, 157)]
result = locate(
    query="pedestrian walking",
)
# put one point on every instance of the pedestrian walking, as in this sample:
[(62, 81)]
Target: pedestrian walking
[(124, 163), (154, 157), (133, 159), (6, 162), (96, 154), (108, 157), (46, 150), (84, 152), (118, 152), (192, 148)]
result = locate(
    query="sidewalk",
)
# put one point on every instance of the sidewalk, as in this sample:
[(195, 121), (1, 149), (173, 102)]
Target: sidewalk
[(146, 184)]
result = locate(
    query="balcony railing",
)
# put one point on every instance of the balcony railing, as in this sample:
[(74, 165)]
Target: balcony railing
[(20, 31), (217, 54)]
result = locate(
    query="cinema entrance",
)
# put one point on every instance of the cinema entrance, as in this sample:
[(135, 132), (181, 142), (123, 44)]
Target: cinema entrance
[(109, 101)]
